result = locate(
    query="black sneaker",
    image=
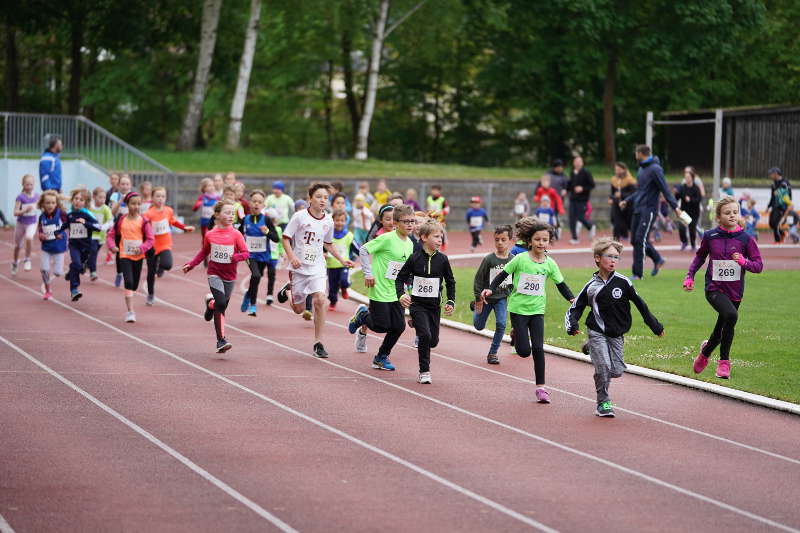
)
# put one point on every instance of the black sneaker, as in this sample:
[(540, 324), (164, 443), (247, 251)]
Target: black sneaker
[(585, 348), (223, 345), (269, 299), (472, 306), (492, 359), (604, 409), (283, 294), (209, 313), (319, 351)]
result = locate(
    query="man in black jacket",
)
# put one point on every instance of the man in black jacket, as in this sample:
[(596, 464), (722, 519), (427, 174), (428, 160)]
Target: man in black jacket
[(780, 201), (580, 187)]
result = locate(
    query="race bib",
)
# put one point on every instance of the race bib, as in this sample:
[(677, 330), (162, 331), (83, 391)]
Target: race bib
[(123, 210), (207, 211), (256, 244), (726, 270), (221, 253), (531, 284), (77, 231), (494, 271), (519, 209), (475, 222), (30, 210), (161, 227), (131, 247), (749, 219), (425, 287), (309, 254), (393, 269), (49, 231), (544, 217)]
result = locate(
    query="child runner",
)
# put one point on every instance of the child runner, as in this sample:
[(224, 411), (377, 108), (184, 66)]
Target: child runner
[(118, 209), (159, 257), (105, 218), (384, 223), (113, 189), (257, 229), (476, 217), (241, 197), (131, 237), (281, 202), (338, 274), (27, 214), (528, 298), (491, 265), (219, 185), (363, 218), (146, 192), (81, 223), (381, 261), (205, 203), (522, 208), (545, 212), (229, 180), (307, 236), (275, 254), (546, 188), (428, 268), (608, 294), (438, 209), (751, 217), (382, 194), (732, 253), (53, 236), (225, 247)]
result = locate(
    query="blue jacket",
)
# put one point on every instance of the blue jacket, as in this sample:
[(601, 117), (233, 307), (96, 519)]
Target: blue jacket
[(251, 227), (651, 183), (56, 222), (50, 171), (80, 238)]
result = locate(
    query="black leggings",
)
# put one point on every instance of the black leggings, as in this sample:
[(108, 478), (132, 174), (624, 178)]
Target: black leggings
[(256, 273), (694, 212), (426, 323), (157, 263), (726, 323), (131, 272), (271, 269), (221, 290), (476, 237), (529, 338), (775, 217), (389, 318)]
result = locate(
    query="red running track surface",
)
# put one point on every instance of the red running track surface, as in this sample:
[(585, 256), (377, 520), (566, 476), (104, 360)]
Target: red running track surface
[(147, 428)]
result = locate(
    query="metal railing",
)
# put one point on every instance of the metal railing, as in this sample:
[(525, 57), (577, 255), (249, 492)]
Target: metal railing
[(27, 135)]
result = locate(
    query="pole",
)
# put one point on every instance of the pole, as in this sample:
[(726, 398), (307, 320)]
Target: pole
[(717, 152), (649, 131)]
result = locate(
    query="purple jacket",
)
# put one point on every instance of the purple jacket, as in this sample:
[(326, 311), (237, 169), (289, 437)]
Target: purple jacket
[(721, 244)]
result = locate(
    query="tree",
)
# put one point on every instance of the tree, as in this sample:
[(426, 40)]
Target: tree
[(208, 38), (242, 83)]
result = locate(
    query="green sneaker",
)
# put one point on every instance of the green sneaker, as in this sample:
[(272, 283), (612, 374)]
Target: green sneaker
[(604, 409)]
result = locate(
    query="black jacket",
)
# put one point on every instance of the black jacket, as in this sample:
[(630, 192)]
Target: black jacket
[(611, 309), (583, 178), (427, 266), (651, 184), (693, 192)]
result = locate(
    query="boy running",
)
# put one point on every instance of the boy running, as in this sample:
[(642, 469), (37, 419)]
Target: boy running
[(490, 267)]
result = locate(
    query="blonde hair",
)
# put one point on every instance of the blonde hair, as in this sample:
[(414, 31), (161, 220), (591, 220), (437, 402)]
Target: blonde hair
[(205, 182), (722, 203), (604, 243), (26, 176), (429, 227), (80, 191), (160, 188), (47, 193)]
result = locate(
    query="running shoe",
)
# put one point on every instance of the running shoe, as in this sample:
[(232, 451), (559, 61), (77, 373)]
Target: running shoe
[(585, 348), (424, 377), (160, 272), (319, 351), (593, 232), (604, 409), (251, 311), (332, 307), (47, 295), (151, 299), (93, 276), (130, 316), (574, 241), (118, 280), (208, 314), (636, 278), (492, 359), (345, 294), (283, 294), (223, 345), (14, 269), (657, 267), (381, 362), (683, 246), (245, 303), (361, 342), (26, 265), (701, 360), (269, 299), (75, 294), (472, 306), (307, 315), (358, 318), (724, 369), (542, 396), (109, 260)]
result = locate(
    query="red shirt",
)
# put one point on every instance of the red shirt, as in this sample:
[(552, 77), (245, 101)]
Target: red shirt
[(224, 247)]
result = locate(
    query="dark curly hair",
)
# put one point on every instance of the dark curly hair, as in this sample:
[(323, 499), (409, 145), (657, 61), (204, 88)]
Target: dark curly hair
[(526, 227)]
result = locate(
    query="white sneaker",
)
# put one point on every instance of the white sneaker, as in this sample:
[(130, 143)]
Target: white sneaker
[(574, 241), (130, 316), (592, 232), (424, 377), (26, 266), (361, 342), (14, 268)]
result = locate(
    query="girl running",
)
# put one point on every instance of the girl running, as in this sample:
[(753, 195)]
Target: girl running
[(146, 191), (27, 215), (205, 203), (53, 237), (131, 238), (227, 247), (104, 217), (528, 298), (257, 229), (275, 254), (119, 208), (732, 252), (81, 223), (159, 257)]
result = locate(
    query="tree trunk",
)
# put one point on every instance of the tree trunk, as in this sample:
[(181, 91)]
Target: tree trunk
[(372, 82), (350, 96), (12, 69), (89, 110), (609, 130), (208, 38), (328, 105), (245, 68), (76, 62)]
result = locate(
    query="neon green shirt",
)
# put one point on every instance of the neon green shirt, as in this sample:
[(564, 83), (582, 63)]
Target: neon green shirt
[(103, 216), (528, 296), (389, 252), (276, 248), (343, 246)]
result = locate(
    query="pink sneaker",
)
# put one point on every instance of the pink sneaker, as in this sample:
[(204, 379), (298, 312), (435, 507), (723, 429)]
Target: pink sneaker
[(542, 396), (47, 295), (724, 369), (701, 361)]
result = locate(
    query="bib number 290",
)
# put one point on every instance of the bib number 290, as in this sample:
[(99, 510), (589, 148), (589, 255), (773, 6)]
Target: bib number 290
[(531, 284)]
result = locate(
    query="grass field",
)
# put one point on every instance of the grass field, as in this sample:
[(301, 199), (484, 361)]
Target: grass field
[(763, 355)]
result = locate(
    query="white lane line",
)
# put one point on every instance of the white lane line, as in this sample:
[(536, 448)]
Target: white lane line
[(221, 485), (555, 444), (566, 392), (5, 527), (411, 466)]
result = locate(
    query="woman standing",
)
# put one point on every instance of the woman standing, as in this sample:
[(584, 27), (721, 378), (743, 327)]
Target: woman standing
[(622, 186), (690, 198)]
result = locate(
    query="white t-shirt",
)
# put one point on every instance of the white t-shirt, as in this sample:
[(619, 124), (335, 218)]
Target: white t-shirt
[(308, 235)]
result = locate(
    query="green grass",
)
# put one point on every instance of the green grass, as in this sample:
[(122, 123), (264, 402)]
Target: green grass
[(763, 353)]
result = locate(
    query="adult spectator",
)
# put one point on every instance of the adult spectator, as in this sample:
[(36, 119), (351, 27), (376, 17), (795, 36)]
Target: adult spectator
[(580, 187), (690, 198), (622, 186), (50, 165), (780, 202), (651, 184)]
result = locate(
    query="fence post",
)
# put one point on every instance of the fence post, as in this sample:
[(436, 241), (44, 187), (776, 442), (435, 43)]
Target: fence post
[(649, 130), (5, 136), (717, 152)]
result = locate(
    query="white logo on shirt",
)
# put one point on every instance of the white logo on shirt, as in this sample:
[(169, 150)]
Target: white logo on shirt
[(616, 292)]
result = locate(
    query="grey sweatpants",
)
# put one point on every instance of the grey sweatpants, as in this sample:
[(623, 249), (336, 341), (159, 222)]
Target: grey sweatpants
[(606, 354)]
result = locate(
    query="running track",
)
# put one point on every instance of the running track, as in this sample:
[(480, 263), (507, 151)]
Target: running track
[(109, 426)]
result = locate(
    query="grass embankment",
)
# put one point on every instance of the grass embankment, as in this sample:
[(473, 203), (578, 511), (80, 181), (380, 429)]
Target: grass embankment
[(764, 355)]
